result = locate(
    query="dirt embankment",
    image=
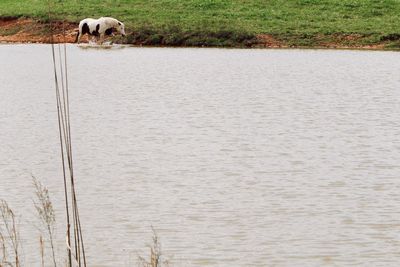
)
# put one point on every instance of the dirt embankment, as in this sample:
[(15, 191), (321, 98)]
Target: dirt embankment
[(331, 41), (26, 30), (22, 30)]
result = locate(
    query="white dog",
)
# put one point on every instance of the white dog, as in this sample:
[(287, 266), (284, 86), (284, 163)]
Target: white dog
[(99, 28)]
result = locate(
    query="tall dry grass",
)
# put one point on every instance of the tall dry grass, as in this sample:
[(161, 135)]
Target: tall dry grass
[(45, 211), (156, 256), (9, 237), (10, 242)]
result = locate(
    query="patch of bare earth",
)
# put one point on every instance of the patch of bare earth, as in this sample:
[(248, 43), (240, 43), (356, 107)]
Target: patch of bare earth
[(349, 41), (22, 30), (267, 40)]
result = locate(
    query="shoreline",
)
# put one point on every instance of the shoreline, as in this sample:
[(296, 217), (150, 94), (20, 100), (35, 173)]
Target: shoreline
[(15, 30)]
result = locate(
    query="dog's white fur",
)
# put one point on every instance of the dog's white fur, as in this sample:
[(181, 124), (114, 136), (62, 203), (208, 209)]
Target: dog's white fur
[(98, 27)]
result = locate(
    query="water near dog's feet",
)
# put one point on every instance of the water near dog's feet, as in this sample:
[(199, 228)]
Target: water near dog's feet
[(106, 45)]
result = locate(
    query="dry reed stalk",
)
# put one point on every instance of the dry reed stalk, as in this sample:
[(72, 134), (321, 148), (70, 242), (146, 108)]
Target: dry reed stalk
[(41, 249), (64, 127), (3, 250), (9, 231)]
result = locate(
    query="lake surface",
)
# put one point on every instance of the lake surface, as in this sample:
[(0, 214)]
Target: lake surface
[(236, 157)]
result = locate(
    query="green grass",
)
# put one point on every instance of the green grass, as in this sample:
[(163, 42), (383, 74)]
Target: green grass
[(285, 19)]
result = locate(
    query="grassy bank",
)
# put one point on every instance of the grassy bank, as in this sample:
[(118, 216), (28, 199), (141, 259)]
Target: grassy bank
[(303, 23)]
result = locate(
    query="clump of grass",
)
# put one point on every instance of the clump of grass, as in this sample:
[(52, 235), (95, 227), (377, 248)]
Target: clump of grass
[(10, 31), (9, 234), (156, 255), (390, 37)]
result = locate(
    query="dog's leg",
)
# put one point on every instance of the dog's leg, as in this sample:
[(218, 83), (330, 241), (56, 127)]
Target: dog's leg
[(101, 38), (92, 39), (78, 38)]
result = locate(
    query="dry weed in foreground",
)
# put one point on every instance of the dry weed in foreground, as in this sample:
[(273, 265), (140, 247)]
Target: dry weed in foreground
[(46, 213), (8, 235), (155, 254)]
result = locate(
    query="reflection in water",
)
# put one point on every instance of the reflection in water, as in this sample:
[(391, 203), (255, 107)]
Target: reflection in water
[(106, 45), (237, 157)]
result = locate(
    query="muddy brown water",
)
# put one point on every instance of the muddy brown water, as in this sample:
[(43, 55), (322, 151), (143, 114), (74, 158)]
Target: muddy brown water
[(236, 157)]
